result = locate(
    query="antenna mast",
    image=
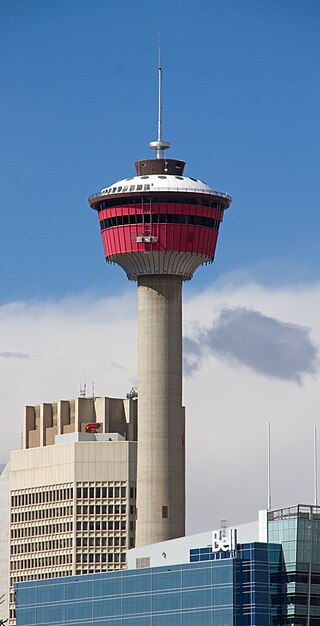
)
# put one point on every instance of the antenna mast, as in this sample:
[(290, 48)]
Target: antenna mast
[(159, 95), (269, 467), (159, 146), (315, 467)]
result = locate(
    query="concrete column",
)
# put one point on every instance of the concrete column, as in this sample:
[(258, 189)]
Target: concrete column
[(63, 415), (28, 424), (45, 421), (160, 464)]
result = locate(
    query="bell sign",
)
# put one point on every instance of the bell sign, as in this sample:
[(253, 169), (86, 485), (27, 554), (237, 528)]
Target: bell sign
[(224, 540)]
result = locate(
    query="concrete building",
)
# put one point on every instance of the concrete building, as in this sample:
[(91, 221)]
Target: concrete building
[(4, 539), (265, 573), (160, 226), (73, 489)]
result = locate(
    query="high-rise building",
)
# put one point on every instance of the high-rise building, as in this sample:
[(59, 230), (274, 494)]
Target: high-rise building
[(160, 226), (4, 540), (72, 489)]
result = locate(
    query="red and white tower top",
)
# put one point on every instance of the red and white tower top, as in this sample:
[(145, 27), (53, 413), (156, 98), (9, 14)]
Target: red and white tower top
[(172, 217)]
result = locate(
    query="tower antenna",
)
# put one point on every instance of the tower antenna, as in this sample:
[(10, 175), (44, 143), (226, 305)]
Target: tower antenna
[(315, 467), (269, 467), (159, 146), (159, 93)]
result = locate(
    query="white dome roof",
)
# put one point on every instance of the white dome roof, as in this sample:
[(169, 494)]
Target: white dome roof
[(160, 183)]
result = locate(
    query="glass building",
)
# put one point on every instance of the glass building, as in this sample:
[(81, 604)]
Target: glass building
[(214, 589), (270, 581), (298, 530)]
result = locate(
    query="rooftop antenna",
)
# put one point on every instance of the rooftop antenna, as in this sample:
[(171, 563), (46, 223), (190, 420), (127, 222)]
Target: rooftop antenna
[(93, 393), (315, 467), (269, 467), (159, 146), (83, 386)]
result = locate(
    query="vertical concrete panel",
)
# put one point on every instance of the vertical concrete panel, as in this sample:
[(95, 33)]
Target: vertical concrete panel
[(45, 421), (63, 415), (28, 424), (160, 464)]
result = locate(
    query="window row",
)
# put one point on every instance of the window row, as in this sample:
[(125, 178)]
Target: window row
[(98, 525), (105, 567), (139, 187), (159, 218), (101, 492), (41, 546), (97, 557), (111, 509), (100, 541), (56, 573), (44, 529), (45, 561), (39, 497), (160, 199), (38, 514)]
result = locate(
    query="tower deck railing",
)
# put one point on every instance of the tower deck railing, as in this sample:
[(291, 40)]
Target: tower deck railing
[(211, 192)]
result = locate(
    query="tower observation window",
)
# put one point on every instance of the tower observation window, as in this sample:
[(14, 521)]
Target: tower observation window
[(159, 218), (159, 199)]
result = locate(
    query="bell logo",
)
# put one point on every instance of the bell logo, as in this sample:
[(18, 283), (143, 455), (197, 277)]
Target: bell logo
[(224, 540)]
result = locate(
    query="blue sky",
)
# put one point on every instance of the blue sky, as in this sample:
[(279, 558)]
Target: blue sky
[(241, 106)]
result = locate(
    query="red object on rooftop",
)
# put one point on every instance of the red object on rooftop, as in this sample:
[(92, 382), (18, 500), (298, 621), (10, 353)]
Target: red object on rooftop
[(92, 428)]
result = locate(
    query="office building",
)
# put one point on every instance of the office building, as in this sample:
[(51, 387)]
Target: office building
[(265, 573), (4, 539), (72, 489)]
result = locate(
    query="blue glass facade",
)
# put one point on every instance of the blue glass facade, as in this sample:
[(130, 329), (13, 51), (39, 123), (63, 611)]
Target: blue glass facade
[(298, 530), (231, 591)]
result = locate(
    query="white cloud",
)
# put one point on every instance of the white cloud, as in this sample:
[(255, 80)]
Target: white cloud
[(228, 406), (268, 346)]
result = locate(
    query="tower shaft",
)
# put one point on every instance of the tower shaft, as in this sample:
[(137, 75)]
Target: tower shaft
[(161, 454)]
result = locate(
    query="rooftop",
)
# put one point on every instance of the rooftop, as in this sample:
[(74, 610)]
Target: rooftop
[(159, 183)]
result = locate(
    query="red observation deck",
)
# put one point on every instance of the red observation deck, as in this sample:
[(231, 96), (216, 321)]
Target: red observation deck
[(160, 221)]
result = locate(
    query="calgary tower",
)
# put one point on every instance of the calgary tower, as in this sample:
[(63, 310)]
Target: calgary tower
[(160, 226)]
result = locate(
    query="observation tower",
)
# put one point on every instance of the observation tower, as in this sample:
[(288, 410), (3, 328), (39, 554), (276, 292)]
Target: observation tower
[(160, 226)]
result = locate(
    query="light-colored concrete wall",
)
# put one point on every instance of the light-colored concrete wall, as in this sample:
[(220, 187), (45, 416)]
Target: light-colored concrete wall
[(161, 462), (63, 415), (4, 540), (178, 550), (68, 462), (114, 415), (34, 438), (28, 425), (45, 421)]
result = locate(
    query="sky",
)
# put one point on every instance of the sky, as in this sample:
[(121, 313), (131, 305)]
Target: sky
[(241, 107)]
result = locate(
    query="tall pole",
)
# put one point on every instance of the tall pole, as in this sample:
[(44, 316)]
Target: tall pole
[(159, 95), (269, 467), (315, 467)]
